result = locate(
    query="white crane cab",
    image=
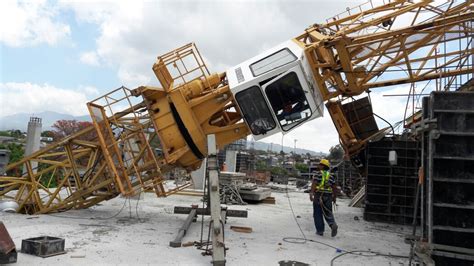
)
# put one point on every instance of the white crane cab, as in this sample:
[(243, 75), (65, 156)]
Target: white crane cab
[(275, 90)]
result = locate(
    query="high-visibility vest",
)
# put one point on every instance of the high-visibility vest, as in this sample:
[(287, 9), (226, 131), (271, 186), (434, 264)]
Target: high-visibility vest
[(324, 184)]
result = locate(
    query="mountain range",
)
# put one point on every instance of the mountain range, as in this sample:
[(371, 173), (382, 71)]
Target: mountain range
[(20, 121), (264, 146)]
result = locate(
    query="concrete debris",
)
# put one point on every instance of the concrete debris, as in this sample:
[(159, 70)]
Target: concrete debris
[(257, 194), (229, 194)]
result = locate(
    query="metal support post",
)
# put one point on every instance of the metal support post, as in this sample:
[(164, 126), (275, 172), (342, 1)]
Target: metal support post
[(218, 248), (182, 231)]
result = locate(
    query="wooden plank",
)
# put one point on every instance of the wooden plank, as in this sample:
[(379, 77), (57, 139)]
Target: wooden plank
[(269, 200), (241, 229)]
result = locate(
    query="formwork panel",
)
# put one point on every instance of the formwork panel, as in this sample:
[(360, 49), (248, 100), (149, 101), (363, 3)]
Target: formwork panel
[(444, 260), (453, 193), (390, 189), (454, 216), (450, 164), (457, 122), (454, 171), (388, 218), (449, 237), (455, 146)]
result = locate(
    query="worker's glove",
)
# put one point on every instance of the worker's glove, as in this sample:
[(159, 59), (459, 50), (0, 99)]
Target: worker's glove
[(311, 197)]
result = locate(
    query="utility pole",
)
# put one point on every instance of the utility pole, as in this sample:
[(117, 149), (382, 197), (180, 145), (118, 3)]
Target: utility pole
[(282, 153), (294, 152)]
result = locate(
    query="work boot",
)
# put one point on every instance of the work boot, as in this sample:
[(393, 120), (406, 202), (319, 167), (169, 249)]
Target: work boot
[(333, 230), (320, 233)]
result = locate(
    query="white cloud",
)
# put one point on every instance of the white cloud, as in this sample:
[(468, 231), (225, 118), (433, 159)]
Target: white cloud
[(89, 58), (34, 98), (391, 108), (89, 90), (320, 134), (28, 23), (133, 33), (317, 135)]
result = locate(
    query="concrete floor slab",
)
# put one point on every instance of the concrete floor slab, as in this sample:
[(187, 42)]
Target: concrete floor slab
[(100, 236)]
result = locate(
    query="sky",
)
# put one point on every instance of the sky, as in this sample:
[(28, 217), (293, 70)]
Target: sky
[(58, 55)]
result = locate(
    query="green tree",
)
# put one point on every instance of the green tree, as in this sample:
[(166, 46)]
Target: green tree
[(16, 154), (279, 171), (48, 133), (261, 165), (302, 167), (336, 153), (16, 134)]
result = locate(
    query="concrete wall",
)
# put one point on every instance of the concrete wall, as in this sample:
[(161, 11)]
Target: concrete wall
[(199, 175), (231, 160)]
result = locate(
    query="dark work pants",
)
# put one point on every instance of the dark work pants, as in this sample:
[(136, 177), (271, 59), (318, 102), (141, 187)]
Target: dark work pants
[(322, 207)]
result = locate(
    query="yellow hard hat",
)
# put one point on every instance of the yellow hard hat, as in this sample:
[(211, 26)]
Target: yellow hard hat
[(324, 162)]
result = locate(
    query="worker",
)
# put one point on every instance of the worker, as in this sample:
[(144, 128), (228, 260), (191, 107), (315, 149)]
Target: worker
[(323, 195), (224, 167)]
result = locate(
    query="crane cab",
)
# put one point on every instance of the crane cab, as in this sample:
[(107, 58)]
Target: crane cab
[(275, 91)]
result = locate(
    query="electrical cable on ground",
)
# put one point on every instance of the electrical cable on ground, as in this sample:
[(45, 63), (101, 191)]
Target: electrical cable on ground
[(304, 240), (370, 254), (92, 218), (136, 208)]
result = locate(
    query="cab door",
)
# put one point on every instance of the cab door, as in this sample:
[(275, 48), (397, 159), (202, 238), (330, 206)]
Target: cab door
[(291, 100), (256, 112)]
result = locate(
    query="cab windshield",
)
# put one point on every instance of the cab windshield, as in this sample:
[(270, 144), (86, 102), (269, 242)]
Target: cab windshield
[(288, 101)]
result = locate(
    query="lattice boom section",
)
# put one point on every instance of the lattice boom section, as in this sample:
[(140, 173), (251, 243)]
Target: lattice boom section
[(114, 156)]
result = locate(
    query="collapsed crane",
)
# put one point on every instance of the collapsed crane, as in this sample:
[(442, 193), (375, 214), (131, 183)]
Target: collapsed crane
[(274, 92)]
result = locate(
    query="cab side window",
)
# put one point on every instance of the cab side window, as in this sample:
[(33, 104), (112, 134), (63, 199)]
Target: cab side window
[(255, 110)]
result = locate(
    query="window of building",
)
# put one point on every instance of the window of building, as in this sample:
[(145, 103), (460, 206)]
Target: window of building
[(272, 61), (255, 110), (288, 101)]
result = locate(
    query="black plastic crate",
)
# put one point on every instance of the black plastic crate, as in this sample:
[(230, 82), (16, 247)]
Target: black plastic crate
[(43, 246)]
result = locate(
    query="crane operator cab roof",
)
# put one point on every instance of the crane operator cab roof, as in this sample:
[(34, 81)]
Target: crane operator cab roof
[(275, 90)]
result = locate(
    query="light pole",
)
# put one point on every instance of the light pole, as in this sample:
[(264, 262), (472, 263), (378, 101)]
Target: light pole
[(294, 152)]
